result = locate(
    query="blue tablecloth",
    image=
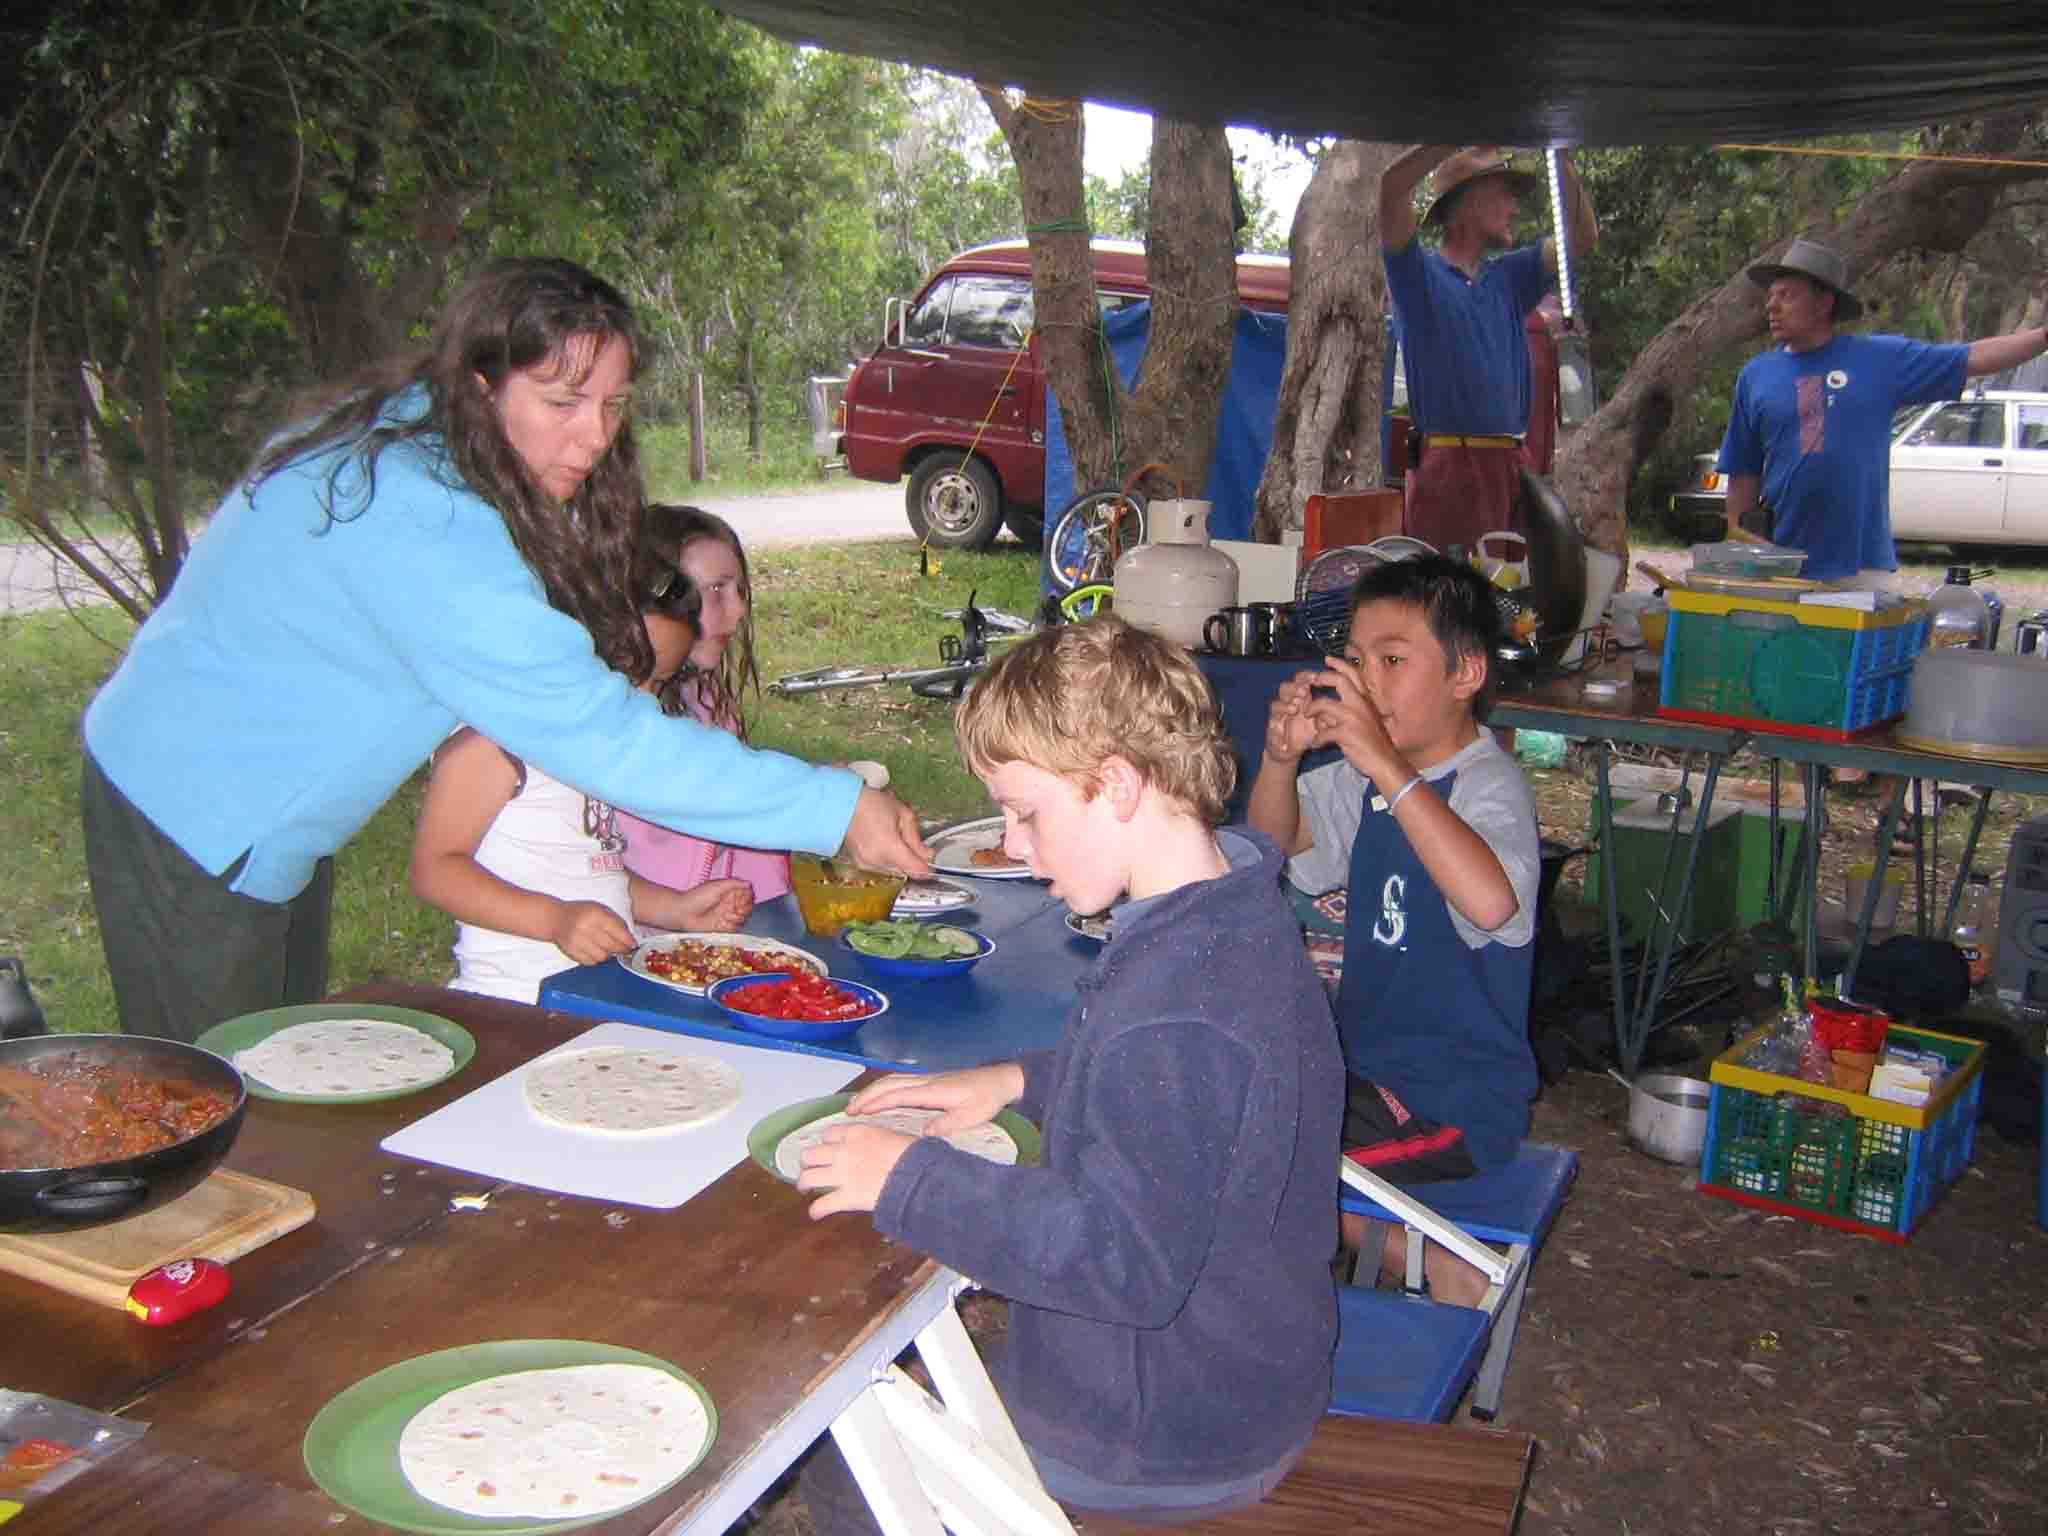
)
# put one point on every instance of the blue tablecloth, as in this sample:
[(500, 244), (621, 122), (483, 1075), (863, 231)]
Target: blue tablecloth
[(1016, 1000)]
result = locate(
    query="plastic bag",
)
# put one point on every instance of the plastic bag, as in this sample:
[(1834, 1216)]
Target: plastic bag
[(45, 1442)]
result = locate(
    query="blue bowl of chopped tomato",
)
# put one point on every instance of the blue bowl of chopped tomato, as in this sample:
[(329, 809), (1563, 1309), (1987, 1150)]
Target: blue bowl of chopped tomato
[(786, 1005)]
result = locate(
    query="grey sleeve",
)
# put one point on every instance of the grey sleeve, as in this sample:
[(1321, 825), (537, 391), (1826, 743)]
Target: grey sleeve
[(1493, 799), (1332, 801)]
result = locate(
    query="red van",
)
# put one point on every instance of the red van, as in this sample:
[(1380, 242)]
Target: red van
[(954, 399)]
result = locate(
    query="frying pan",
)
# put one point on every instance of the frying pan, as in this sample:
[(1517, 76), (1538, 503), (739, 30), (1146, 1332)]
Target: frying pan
[(66, 1199)]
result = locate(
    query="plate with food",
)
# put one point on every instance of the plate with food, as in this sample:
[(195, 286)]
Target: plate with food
[(904, 947), (1099, 927), (505, 1436), (691, 962), (798, 1006), (921, 898), (340, 1053), (975, 848), (777, 1141)]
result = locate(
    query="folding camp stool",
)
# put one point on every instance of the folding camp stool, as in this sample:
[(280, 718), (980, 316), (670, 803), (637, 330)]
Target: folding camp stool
[(1413, 1363)]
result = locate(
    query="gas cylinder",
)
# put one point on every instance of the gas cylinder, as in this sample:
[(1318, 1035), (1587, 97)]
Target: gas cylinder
[(1172, 582)]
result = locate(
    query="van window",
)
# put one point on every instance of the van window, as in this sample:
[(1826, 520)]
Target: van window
[(1961, 424), (990, 312), (925, 325)]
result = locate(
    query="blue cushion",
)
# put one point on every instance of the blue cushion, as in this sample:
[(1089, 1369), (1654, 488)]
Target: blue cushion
[(1402, 1356), (1514, 1203)]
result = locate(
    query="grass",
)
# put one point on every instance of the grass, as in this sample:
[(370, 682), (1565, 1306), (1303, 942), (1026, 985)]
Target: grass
[(837, 605), (785, 462)]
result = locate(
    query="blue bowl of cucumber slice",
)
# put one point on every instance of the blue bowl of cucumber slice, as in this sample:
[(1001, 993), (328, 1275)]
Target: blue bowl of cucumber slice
[(912, 951)]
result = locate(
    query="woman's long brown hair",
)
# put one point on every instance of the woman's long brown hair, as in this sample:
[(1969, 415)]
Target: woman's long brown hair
[(514, 315)]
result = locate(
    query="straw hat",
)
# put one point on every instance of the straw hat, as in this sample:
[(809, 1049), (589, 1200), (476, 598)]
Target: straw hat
[(1823, 264), (1468, 166)]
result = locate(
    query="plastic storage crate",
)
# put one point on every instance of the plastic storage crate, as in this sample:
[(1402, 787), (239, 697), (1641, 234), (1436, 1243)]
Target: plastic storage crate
[(1879, 1168), (1797, 668)]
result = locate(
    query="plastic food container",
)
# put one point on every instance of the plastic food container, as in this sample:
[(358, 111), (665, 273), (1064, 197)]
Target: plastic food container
[(1730, 558), (834, 892)]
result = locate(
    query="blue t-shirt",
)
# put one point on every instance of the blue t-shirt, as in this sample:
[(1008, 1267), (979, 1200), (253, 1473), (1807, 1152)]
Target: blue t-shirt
[(1816, 426), (1462, 345)]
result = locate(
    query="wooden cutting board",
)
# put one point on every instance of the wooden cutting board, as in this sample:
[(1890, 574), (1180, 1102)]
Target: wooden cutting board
[(222, 1218)]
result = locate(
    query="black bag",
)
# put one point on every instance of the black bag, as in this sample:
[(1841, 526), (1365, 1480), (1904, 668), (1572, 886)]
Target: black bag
[(1910, 977)]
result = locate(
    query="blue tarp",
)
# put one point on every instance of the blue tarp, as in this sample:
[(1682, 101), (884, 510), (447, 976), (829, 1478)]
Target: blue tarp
[(1244, 428)]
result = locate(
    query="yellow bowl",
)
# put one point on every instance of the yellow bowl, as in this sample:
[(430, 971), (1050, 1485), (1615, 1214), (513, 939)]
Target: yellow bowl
[(834, 892)]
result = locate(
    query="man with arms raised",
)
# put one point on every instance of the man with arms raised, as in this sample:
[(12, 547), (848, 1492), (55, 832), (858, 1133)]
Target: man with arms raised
[(1811, 423), (1460, 310)]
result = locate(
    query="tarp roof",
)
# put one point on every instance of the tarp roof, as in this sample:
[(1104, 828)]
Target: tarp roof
[(1473, 71)]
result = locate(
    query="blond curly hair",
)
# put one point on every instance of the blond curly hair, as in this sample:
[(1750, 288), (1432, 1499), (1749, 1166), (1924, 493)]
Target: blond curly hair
[(1068, 698)]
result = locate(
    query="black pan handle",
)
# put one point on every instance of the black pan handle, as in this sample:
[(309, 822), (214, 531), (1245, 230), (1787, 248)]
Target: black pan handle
[(98, 1199)]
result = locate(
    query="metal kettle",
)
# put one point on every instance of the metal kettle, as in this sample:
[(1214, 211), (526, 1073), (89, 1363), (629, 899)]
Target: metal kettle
[(19, 1015)]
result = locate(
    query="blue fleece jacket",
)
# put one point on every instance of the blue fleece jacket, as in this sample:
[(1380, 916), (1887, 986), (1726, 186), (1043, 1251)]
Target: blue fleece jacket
[(300, 670), (1168, 1265)]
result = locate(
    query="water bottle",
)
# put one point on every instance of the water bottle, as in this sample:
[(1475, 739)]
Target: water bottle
[(1973, 916), (19, 1015), (1959, 614)]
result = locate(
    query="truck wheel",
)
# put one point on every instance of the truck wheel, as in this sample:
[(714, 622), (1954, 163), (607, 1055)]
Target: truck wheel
[(1028, 523), (953, 503)]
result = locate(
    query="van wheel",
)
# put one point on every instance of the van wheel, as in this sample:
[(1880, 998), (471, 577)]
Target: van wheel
[(953, 503), (1028, 523)]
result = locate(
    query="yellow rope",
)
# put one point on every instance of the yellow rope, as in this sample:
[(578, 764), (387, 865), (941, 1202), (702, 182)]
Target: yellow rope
[(1881, 154)]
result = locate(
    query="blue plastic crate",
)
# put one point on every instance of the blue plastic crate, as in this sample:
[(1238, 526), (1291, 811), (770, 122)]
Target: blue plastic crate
[(1774, 663)]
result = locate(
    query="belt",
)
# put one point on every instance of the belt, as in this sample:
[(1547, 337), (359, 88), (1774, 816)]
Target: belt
[(1460, 440)]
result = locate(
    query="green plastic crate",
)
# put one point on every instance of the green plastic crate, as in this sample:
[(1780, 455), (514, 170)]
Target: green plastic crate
[(1878, 1168)]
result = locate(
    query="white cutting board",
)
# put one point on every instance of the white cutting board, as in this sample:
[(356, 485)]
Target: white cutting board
[(492, 1132)]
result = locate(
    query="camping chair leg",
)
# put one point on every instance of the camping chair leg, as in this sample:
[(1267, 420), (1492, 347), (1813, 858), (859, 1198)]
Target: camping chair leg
[(1500, 1344), (1371, 1253)]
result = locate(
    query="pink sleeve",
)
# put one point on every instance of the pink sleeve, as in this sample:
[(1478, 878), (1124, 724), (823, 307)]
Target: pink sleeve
[(682, 862)]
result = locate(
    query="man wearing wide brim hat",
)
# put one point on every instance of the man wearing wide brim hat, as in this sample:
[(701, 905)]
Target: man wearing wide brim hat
[(1809, 431), (1459, 311)]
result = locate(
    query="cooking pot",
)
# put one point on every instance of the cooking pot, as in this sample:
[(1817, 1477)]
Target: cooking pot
[(64, 1199), (1667, 1116)]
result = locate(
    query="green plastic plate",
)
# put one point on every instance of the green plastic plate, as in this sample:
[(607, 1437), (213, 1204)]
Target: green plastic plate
[(351, 1447), (239, 1034), (769, 1130)]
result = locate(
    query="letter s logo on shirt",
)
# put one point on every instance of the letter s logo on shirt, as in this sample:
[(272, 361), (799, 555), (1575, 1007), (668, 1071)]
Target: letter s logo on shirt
[(1392, 927)]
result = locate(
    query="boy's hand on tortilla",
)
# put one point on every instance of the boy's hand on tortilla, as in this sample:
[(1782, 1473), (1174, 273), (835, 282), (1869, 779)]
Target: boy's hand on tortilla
[(1348, 720), (589, 931), (883, 835), (967, 1098), (851, 1165)]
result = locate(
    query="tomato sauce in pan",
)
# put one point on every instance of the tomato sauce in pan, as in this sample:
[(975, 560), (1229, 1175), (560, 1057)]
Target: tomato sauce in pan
[(70, 1111)]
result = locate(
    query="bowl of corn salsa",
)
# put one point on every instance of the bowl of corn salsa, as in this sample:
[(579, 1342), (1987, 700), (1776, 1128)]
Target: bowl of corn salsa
[(834, 892)]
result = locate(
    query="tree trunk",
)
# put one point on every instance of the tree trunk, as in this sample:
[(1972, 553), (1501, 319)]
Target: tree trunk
[(1326, 421), (1171, 417), (1191, 262), (1929, 205), (750, 390)]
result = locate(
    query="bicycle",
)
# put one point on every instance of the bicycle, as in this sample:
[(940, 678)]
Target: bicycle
[(961, 656)]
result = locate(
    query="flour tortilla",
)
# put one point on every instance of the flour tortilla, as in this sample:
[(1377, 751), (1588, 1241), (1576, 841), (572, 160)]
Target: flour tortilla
[(346, 1056), (577, 1441), (988, 1140), (621, 1090)]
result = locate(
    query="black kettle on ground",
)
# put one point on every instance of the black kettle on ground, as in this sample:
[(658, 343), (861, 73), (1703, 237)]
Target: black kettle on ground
[(19, 1015)]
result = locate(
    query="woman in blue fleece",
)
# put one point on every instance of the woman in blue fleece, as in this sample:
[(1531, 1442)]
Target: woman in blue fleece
[(451, 543), (1168, 1266)]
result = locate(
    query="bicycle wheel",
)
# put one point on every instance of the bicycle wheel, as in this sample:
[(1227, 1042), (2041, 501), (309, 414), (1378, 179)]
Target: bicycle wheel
[(1086, 602), (1094, 529)]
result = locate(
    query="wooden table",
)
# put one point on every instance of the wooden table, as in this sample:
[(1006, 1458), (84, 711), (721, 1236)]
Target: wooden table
[(790, 1324)]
